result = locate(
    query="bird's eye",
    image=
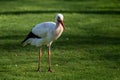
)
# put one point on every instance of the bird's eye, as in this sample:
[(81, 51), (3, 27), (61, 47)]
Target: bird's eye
[(58, 18)]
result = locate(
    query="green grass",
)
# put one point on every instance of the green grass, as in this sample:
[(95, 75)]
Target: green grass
[(89, 49)]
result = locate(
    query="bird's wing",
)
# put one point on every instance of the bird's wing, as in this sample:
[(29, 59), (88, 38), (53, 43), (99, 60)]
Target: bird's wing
[(43, 29), (30, 35)]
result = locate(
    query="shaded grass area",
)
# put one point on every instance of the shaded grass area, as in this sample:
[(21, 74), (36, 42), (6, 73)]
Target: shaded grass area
[(64, 6), (89, 49), (110, 12)]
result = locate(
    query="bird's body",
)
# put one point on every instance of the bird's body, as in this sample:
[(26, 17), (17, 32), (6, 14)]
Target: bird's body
[(45, 33)]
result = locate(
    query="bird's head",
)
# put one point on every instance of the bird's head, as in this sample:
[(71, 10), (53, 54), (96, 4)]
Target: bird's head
[(59, 19)]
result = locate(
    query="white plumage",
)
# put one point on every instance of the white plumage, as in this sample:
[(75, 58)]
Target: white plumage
[(44, 34)]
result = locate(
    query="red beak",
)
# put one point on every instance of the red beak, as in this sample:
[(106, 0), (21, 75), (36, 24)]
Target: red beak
[(62, 23)]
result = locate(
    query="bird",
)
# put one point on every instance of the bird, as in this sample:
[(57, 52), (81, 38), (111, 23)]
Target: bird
[(44, 34)]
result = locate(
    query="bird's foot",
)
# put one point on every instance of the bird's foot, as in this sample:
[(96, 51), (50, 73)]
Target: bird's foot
[(38, 70), (49, 70)]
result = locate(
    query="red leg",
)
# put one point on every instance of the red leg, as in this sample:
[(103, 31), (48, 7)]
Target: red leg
[(39, 59), (49, 62)]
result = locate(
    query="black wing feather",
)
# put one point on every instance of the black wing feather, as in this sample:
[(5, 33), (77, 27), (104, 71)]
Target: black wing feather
[(30, 35)]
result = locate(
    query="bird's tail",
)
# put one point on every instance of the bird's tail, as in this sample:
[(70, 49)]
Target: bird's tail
[(24, 42), (31, 39)]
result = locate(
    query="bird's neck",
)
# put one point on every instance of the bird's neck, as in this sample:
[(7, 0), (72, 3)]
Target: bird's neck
[(59, 30), (57, 24)]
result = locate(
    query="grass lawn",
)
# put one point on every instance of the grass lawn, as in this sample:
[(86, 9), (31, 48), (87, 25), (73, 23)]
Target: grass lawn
[(89, 49)]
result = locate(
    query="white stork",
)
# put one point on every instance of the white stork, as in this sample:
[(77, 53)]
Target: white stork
[(44, 34)]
